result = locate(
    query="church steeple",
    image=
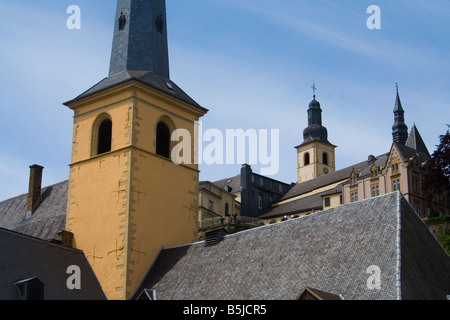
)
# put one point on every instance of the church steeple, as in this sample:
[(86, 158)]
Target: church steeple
[(140, 38), (399, 129), (316, 155), (123, 202)]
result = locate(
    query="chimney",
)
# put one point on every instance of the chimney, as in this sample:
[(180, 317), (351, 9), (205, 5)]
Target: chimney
[(66, 238), (34, 189)]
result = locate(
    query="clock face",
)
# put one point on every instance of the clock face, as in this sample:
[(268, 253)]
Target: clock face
[(325, 170)]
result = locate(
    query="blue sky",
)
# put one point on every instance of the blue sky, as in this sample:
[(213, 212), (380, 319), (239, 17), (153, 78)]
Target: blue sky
[(251, 63)]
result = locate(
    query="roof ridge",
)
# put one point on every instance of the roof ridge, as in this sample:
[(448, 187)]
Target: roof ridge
[(26, 193)]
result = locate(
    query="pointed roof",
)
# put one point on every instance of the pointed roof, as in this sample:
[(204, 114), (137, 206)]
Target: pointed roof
[(140, 51), (399, 129), (398, 104), (415, 141), (330, 250), (140, 37), (150, 79)]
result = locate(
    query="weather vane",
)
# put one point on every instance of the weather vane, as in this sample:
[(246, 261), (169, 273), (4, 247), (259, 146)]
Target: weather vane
[(314, 88)]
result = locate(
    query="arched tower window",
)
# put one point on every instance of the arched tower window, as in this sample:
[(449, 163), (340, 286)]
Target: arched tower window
[(325, 158), (102, 135), (163, 140), (307, 159)]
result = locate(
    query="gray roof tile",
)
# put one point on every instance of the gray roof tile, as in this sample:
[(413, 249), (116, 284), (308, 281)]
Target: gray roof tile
[(148, 78), (47, 220), (330, 250), (23, 257)]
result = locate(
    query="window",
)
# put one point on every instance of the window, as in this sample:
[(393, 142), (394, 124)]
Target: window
[(307, 159), (415, 184), (122, 22), (226, 209), (341, 199), (327, 202), (163, 140), (104, 136), (374, 172), (416, 207), (375, 190), (354, 196), (396, 185), (325, 158), (211, 205), (260, 201)]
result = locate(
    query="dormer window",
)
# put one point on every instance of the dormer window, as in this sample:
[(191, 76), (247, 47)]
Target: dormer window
[(353, 178), (374, 172), (394, 165)]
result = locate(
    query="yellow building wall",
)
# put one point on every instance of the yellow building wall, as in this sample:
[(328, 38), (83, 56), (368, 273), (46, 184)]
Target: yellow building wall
[(123, 206), (315, 168)]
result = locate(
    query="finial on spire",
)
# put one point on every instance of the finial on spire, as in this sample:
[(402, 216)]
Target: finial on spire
[(314, 89), (396, 86)]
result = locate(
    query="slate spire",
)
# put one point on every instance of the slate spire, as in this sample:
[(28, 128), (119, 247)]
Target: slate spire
[(399, 129), (140, 38), (416, 142)]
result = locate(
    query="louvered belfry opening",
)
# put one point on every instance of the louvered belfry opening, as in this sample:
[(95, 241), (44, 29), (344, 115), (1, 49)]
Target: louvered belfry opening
[(104, 137), (163, 140)]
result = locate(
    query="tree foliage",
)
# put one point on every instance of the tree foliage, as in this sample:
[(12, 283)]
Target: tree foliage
[(437, 177)]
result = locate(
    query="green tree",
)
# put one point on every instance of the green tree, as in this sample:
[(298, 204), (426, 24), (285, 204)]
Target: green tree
[(437, 176)]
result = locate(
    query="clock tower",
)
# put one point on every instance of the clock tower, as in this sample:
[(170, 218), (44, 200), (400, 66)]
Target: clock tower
[(316, 155)]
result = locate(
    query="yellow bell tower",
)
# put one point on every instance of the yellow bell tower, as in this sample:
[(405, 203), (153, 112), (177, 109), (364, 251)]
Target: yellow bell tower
[(126, 197), (316, 155)]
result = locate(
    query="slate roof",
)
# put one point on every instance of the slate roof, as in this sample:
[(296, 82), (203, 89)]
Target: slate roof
[(416, 142), (234, 183), (23, 257), (47, 220), (408, 152), (328, 179), (305, 204), (149, 78), (330, 250)]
